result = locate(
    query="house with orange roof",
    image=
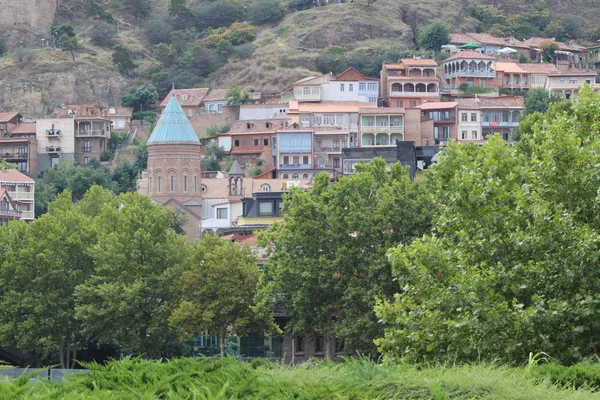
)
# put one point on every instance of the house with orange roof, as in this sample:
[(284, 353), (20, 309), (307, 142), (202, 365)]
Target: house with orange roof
[(21, 189), (9, 120), (409, 83), (471, 68), (443, 117)]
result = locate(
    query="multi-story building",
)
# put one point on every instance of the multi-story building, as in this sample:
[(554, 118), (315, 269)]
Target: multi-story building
[(500, 115), (120, 117), (19, 146), (443, 116), (471, 68), (328, 145), (295, 153), (56, 140), (263, 111), (469, 121), (8, 208), (21, 190), (92, 137), (594, 56), (215, 101), (381, 126), (409, 83), (8, 121)]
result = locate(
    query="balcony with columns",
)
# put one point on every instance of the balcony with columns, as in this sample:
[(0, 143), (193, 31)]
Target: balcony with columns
[(469, 69), (398, 89)]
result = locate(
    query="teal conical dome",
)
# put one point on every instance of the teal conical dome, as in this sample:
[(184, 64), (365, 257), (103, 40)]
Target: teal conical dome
[(173, 126)]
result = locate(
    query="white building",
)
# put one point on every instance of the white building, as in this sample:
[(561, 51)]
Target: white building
[(21, 190)]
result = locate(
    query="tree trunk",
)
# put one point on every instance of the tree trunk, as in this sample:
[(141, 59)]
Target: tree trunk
[(74, 356), (73, 55), (327, 340), (61, 352), (67, 354), (222, 342)]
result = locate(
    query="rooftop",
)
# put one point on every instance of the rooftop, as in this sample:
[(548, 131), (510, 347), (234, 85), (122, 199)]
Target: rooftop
[(419, 62), (382, 110), (217, 188), (468, 104), (470, 54), (173, 126), (437, 105), (24, 128), (7, 116), (216, 95), (352, 74), (501, 102), (257, 125), (186, 97), (12, 175)]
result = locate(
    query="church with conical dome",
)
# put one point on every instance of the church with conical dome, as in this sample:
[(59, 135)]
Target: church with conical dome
[(173, 174)]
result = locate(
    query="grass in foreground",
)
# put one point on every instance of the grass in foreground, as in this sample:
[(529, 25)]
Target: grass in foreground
[(230, 379)]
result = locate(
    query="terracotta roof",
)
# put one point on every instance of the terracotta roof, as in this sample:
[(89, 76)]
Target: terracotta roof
[(462, 38), (257, 125), (513, 42), (333, 106), (470, 54), (510, 67), (581, 72), (7, 116), (415, 62), (535, 42), (241, 239), (485, 38), (468, 104), (24, 128), (394, 66), (539, 68), (12, 175), (437, 105), (501, 102), (217, 188), (194, 97), (382, 110), (216, 95), (14, 140), (352, 74)]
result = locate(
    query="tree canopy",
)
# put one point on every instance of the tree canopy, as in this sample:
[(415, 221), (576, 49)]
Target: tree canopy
[(433, 36)]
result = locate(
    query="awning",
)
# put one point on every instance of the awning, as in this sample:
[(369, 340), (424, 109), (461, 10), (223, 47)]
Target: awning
[(507, 50)]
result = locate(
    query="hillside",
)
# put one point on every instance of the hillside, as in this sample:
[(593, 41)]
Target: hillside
[(280, 54)]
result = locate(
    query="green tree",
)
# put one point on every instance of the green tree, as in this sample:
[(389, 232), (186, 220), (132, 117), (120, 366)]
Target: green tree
[(140, 97), (548, 50), (213, 155), (332, 59), (127, 300), (68, 43), (165, 53), (217, 14), (216, 288), (237, 95), (499, 278), (103, 34), (124, 177), (433, 36), (181, 14), (6, 165), (139, 8), (328, 260), (122, 59), (556, 30), (572, 27), (538, 100), (41, 266), (263, 11)]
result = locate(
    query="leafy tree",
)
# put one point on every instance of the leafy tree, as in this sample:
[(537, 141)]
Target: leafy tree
[(244, 51), (538, 100), (127, 299), (68, 43), (499, 278), (124, 177), (62, 29), (122, 59), (555, 29), (217, 14), (103, 33), (332, 59), (593, 34), (6, 165), (158, 30), (572, 27), (548, 50), (216, 288), (165, 53), (140, 97), (328, 260), (213, 155), (238, 33), (263, 11), (237, 95), (139, 8), (181, 14), (433, 36), (42, 263)]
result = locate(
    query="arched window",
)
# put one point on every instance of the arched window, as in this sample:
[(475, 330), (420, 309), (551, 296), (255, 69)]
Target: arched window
[(295, 176), (321, 162), (265, 187), (185, 183), (285, 176), (305, 176), (203, 188)]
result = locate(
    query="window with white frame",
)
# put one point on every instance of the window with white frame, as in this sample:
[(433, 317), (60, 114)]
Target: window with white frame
[(372, 99), (342, 87), (463, 135), (222, 213), (351, 87), (306, 90), (463, 117), (265, 187), (474, 135), (473, 117), (362, 86), (372, 86)]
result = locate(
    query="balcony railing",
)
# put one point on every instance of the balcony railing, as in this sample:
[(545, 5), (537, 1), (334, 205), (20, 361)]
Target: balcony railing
[(92, 132), (501, 124), (307, 97), (326, 149), (295, 166), (10, 212), (382, 128), (13, 156), (450, 118), (471, 73), (516, 84), (21, 195), (394, 93), (53, 150), (53, 132)]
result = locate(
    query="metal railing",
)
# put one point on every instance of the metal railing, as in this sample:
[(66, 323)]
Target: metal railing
[(13, 156), (328, 149), (53, 132), (92, 132), (295, 166), (467, 72), (9, 212), (53, 150), (21, 195)]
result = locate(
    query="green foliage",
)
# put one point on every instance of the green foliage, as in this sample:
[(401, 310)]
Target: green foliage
[(107, 155), (122, 59), (263, 11), (555, 29), (117, 138), (62, 29), (593, 34), (158, 30), (538, 100), (209, 378), (465, 88), (499, 278), (2, 48), (237, 95), (243, 51), (139, 8), (103, 33), (488, 16), (165, 53), (572, 27), (329, 258), (124, 177), (332, 59), (548, 49), (140, 97), (433, 36), (217, 14), (238, 33), (583, 375), (255, 171), (6, 165), (213, 154)]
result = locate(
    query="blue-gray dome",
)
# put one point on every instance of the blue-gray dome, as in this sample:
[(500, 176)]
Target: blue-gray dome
[(173, 126)]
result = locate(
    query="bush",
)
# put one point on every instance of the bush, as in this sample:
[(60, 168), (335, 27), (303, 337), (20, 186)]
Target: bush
[(117, 138), (577, 376), (255, 171), (244, 51), (106, 155), (217, 14), (264, 11), (24, 56), (238, 33), (103, 34), (158, 30)]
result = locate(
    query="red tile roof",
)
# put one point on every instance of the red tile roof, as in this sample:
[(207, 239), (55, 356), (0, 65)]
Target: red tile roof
[(419, 62), (7, 116), (216, 95), (469, 54), (501, 102), (23, 128), (12, 175), (539, 68), (187, 97), (468, 104), (352, 74), (437, 105)]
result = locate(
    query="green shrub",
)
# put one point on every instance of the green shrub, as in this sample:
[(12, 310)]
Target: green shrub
[(577, 376), (217, 14), (106, 155), (103, 33), (264, 11)]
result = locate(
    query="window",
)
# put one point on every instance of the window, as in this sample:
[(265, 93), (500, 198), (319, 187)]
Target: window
[(399, 103), (474, 134), (20, 150), (265, 188), (299, 344), (336, 143), (573, 81), (305, 160), (203, 188), (296, 160), (87, 147), (351, 87), (463, 135), (413, 103), (185, 183), (562, 81), (446, 132), (372, 99), (362, 86), (342, 87), (112, 111), (172, 183), (372, 86), (473, 117), (286, 160), (190, 113), (265, 208), (184, 97), (463, 117), (221, 213), (336, 162), (285, 176), (86, 160), (159, 184), (219, 107), (236, 142), (426, 142), (256, 142), (266, 141), (295, 176), (305, 176), (306, 90), (22, 166), (318, 344), (150, 184)]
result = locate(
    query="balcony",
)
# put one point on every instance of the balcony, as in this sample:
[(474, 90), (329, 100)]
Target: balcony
[(91, 133), (470, 73), (21, 195), (53, 150), (10, 213), (325, 149), (500, 124), (53, 132), (383, 128), (13, 156), (441, 119), (295, 166), (516, 85), (414, 94), (307, 97)]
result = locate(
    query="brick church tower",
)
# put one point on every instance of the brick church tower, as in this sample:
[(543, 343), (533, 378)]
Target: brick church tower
[(174, 167)]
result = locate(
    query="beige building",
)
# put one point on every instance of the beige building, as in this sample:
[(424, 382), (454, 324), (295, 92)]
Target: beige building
[(21, 190)]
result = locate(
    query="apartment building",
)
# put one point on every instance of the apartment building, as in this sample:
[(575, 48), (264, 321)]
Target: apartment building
[(409, 83), (471, 68), (21, 190), (469, 121), (443, 117), (500, 115)]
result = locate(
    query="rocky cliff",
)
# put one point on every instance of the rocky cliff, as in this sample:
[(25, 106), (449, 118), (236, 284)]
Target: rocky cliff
[(24, 22)]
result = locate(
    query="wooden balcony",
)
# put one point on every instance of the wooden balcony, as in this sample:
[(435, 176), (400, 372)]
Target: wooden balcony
[(92, 133)]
